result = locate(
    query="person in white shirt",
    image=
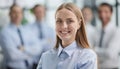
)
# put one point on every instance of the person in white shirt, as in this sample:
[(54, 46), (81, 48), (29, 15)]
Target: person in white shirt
[(42, 31), (105, 36), (19, 44), (90, 29), (72, 49)]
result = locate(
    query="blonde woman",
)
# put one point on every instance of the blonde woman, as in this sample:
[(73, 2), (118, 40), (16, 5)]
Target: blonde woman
[(72, 50)]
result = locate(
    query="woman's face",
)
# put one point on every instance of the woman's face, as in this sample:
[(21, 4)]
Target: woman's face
[(67, 25)]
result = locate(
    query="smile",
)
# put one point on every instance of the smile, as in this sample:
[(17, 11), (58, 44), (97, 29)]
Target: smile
[(65, 32)]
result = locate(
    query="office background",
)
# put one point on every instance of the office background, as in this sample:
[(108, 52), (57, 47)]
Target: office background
[(51, 6)]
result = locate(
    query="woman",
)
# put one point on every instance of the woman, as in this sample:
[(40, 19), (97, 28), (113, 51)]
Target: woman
[(72, 50)]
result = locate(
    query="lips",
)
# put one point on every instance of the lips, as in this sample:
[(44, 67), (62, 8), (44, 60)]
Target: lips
[(64, 32)]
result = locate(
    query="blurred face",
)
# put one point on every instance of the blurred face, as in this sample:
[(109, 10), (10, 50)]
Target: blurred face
[(66, 25), (105, 14), (16, 15), (39, 12), (87, 13)]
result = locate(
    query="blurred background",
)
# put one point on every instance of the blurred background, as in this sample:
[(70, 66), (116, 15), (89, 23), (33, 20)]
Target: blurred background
[(51, 6)]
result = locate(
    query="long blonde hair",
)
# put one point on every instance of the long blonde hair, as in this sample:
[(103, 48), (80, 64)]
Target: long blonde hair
[(81, 38)]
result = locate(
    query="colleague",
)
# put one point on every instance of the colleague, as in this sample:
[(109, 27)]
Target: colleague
[(72, 50), (42, 31), (90, 29), (19, 44), (105, 36)]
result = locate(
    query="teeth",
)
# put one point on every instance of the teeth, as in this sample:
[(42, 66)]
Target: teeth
[(64, 32)]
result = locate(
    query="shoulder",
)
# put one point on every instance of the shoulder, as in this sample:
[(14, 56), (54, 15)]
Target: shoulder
[(87, 59), (5, 33), (112, 27), (5, 29), (47, 26), (116, 35), (87, 56), (50, 53), (49, 29), (88, 53), (91, 29), (30, 25)]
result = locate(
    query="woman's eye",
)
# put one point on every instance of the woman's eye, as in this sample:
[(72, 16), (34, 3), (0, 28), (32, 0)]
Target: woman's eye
[(70, 21), (58, 21)]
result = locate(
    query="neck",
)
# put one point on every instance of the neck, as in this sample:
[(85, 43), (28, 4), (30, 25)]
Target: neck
[(39, 19), (66, 43), (16, 24), (104, 24)]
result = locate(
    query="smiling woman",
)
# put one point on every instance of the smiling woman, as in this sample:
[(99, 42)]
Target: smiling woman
[(72, 17), (72, 49), (66, 26)]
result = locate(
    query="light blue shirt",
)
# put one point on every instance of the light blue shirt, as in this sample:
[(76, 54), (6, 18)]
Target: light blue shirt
[(49, 36), (70, 57), (9, 40)]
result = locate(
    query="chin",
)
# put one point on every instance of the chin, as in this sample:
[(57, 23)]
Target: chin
[(65, 38)]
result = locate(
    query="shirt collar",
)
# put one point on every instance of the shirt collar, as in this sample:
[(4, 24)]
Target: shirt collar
[(109, 25), (69, 49), (41, 23), (14, 26)]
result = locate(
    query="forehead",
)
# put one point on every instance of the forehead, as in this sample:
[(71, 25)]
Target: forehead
[(39, 8), (65, 13), (87, 9), (104, 8), (16, 8)]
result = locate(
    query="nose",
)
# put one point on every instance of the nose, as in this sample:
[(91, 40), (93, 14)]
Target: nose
[(65, 25)]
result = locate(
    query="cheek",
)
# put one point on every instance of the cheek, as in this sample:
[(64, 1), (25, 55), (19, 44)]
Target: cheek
[(13, 15), (108, 15), (74, 28), (57, 28), (21, 16)]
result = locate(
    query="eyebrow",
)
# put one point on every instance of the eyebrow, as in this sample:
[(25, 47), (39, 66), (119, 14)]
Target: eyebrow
[(69, 18), (66, 18)]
